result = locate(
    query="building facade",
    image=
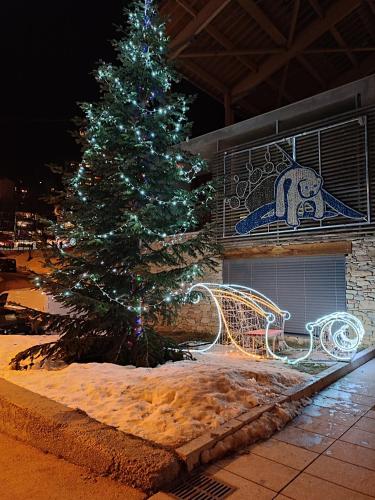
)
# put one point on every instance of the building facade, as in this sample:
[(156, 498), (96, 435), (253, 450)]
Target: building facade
[(7, 211), (295, 210), (19, 222)]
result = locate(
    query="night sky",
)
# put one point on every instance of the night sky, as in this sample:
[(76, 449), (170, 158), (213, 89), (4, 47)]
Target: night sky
[(49, 50)]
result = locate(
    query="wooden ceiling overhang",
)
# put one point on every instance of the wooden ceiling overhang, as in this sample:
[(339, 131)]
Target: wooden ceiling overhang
[(254, 56)]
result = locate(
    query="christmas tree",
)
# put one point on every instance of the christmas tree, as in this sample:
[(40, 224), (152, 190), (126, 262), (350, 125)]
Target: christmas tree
[(126, 211)]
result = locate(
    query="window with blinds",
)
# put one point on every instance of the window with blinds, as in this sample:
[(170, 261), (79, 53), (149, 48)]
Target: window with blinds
[(308, 287)]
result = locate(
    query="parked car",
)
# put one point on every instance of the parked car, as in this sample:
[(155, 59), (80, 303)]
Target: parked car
[(8, 265), (17, 320)]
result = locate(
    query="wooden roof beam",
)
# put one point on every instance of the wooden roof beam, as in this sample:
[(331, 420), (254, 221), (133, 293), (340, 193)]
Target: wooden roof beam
[(229, 53), (310, 69), (163, 8), (175, 16), (368, 19), (338, 11), (252, 110), (292, 30), (216, 84), (263, 21), (365, 67), (218, 36), (315, 5), (196, 25), (293, 23), (371, 4), (339, 50), (246, 52), (334, 32), (341, 42), (293, 249), (217, 97), (231, 47), (207, 77), (273, 32), (228, 44), (189, 9)]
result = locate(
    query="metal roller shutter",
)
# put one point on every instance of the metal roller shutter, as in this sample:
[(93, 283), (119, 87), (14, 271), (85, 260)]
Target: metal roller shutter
[(308, 287)]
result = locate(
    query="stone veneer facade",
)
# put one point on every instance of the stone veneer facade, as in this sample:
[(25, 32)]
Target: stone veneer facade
[(360, 284), (201, 317), (360, 291)]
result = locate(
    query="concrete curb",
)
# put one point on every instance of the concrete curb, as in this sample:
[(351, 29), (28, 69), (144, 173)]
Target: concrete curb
[(196, 451), (72, 435)]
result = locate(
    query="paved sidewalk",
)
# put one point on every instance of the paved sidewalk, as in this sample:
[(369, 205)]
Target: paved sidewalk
[(29, 474), (326, 453)]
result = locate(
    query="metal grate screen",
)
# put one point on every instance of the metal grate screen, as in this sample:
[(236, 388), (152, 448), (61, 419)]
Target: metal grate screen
[(308, 287), (338, 152)]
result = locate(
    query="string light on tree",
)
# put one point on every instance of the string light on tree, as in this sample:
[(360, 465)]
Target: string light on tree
[(130, 207)]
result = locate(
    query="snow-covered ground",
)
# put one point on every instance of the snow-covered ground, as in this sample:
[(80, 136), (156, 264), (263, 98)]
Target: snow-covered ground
[(28, 297), (170, 404), (36, 264)]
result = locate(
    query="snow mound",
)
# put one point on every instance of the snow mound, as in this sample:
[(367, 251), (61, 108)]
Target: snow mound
[(170, 404)]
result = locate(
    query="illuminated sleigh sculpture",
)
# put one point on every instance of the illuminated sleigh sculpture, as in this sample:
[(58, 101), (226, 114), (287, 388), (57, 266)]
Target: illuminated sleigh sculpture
[(255, 325), (247, 318)]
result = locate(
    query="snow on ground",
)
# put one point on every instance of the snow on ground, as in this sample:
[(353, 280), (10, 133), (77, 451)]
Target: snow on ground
[(170, 404), (35, 299), (36, 264)]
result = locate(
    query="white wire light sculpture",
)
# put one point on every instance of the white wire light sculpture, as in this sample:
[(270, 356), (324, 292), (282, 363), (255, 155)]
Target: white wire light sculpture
[(339, 334), (247, 318), (255, 325)]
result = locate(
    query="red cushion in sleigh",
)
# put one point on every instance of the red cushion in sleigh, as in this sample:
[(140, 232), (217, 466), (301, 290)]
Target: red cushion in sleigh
[(271, 333)]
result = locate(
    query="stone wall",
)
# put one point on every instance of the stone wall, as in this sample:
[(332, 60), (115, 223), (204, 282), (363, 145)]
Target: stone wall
[(201, 317), (360, 284)]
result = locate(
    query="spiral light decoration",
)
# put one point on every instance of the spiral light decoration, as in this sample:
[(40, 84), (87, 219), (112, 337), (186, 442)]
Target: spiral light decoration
[(339, 334)]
